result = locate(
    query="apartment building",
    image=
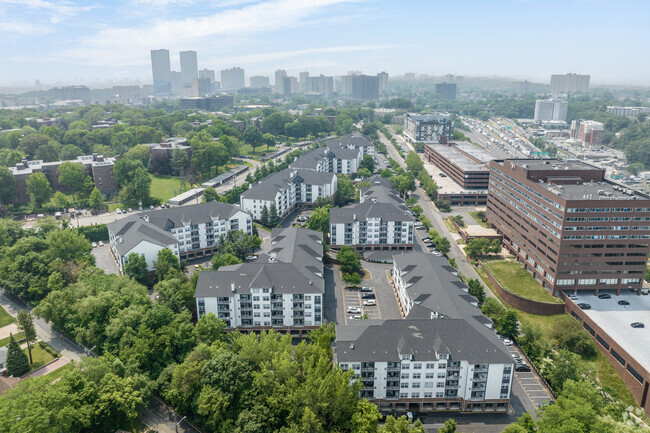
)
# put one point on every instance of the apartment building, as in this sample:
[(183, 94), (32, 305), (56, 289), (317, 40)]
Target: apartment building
[(189, 231), (421, 362), (569, 83), (283, 290), (428, 128), (99, 168), (588, 132), (288, 189), (208, 103), (571, 228), (380, 221), (550, 110)]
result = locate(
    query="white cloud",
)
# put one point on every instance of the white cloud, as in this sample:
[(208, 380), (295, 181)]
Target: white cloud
[(23, 28), (55, 12), (119, 47)]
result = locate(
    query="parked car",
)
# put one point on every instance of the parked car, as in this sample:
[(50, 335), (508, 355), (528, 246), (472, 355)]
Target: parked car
[(366, 289), (623, 302), (94, 244), (508, 342), (251, 257), (355, 310), (101, 243), (151, 207), (638, 325), (368, 296), (604, 296), (118, 211), (522, 367), (130, 210), (369, 303), (573, 297), (584, 306), (355, 317)]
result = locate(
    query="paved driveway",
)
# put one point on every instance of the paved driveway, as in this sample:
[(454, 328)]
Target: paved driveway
[(534, 391), (104, 259)]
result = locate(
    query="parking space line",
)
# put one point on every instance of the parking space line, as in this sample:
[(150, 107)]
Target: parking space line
[(526, 392)]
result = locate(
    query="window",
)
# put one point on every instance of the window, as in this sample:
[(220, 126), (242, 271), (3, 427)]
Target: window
[(440, 394), (428, 376), (428, 395), (405, 366), (428, 384), (431, 365), (415, 395), (403, 395), (417, 366), (416, 376), (442, 365), (404, 385), (415, 385), (404, 376), (440, 385), (441, 375)]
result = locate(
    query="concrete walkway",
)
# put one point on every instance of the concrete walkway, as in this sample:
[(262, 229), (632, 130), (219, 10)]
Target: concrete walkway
[(55, 365), (9, 329)]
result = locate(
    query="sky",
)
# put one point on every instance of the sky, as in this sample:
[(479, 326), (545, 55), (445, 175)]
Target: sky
[(107, 42)]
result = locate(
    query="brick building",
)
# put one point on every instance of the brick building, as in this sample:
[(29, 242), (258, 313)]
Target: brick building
[(569, 226)]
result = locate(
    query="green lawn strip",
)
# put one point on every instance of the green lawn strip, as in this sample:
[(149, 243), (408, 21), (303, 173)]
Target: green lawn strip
[(40, 356), (166, 187), (479, 221), (5, 318), (607, 375), (17, 337), (247, 149), (60, 371), (516, 279)]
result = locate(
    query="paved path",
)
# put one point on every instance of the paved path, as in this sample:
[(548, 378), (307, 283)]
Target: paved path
[(58, 363), (9, 329)]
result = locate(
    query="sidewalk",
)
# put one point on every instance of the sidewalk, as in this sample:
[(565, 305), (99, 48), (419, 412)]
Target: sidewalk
[(9, 329), (54, 365)]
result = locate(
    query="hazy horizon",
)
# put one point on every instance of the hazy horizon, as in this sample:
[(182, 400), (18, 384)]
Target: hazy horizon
[(79, 42)]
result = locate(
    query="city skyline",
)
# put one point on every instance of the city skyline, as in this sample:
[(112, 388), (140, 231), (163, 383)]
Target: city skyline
[(77, 42)]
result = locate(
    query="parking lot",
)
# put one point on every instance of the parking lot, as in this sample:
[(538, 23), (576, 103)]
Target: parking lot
[(535, 391), (104, 260)]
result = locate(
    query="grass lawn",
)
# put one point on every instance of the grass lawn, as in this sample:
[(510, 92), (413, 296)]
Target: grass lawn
[(450, 226), (247, 149), (165, 187), (5, 318), (516, 279), (481, 221), (60, 371), (17, 337), (39, 356)]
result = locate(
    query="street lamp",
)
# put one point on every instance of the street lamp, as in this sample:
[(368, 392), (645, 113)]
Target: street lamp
[(180, 421)]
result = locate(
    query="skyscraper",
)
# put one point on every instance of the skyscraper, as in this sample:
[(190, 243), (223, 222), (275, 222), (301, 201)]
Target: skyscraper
[(161, 71), (279, 75), (189, 67), (552, 109), (320, 84), (232, 79), (259, 82), (446, 90), (569, 83), (208, 73), (383, 81), (302, 79), (358, 86)]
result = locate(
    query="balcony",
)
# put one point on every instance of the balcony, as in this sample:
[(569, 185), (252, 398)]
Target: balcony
[(478, 387), (481, 369)]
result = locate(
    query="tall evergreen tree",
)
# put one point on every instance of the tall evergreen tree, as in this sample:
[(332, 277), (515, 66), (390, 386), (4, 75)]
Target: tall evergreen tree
[(274, 218), (264, 218), (17, 362), (26, 324)]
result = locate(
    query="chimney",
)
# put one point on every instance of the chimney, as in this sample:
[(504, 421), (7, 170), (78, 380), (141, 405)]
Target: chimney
[(351, 346), (232, 287), (94, 156)]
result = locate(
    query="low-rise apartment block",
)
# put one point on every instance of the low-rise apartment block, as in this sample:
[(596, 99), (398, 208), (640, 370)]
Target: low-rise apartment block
[(189, 231), (380, 221), (442, 356), (428, 128), (571, 228), (283, 290)]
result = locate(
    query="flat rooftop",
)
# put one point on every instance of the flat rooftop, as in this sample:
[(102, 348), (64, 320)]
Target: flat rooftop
[(464, 162), (615, 320), (474, 151), (551, 164), (445, 184), (601, 191)]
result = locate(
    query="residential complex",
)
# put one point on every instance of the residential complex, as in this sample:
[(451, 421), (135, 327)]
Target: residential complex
[(320, 85), (259, 82), (99, 168), (208, 103), (569, 83), (628, 111), (283, 290), (380, 221), (428, 128), (357, 86), (446, 90), (551, 109), (232, 79), (588, 132), (70, 92), (188, 231), (571, 228), (442, 356)]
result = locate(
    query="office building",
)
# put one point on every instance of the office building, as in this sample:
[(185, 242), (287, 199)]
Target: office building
[(208, 73), (190, 232), (128, 94), (551, 109), (208, 103), (279, 83), (232, 79), (419, 363), (320, 85), (463, 162), (161, 71), (570, 227), (260, 82), (288, 86), (380, 221), (446, 90), (569, 83), (283, 290), (189, 67), (428, 128), (66, 93), (201, 87), (588, 132), (383, 82)]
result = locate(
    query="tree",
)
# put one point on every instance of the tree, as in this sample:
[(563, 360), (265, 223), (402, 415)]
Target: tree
[(364, 172), (571, 336), (368, 162), (7, 186), (140, 153), (227, 259), (477, 247), (26, 324), (70, 152), (403, 183), (274, 218), (136, 268), (138, 189), (210, 194), (319, 220), (635, 168), (17, 362), (443, 245), (508, 324), (344, 190), (67, 245), (366, 418), (493, 309), (343, 124), (39, 189), (533, 341), (61, 200), (443, 205), (207, 154), (264, 215), (402, 425), (414, 163), (565, 366), (349, 260), (253, 136), (179, 161), (96, 199), (124, 170), (476, 290), (165, 261), (209, 329), (352, 278), (274, 123), (449, 427), (269, 140)]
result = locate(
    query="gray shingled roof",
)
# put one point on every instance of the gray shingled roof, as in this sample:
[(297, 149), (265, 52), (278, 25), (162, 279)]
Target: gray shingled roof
[(134, 230), (368, 209), (381, 190), (174, 217), (303, 248), (268, 187), (382, 341), (356, 139), (309, 160)]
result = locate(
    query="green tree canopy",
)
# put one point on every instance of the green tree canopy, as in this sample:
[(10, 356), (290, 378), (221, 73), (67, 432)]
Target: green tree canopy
[(7, 186), (39, 189), (136, 268), (17, 362)]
